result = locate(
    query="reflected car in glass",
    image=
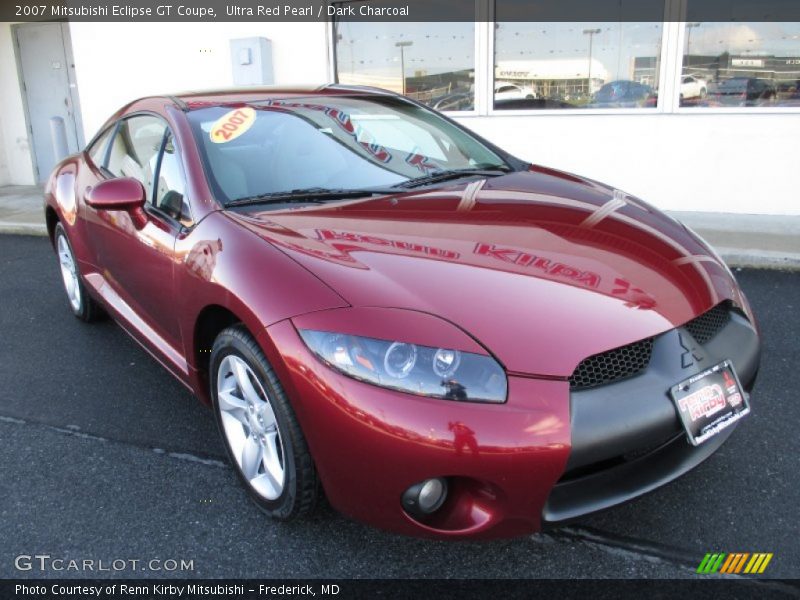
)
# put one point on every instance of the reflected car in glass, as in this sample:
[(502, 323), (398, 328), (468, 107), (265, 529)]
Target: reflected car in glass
[(385, 309), (624, 94), (693, 87), (792, 95), (504, 90), (744, 91)]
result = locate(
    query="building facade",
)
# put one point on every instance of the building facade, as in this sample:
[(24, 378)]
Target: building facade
[(689, 116)]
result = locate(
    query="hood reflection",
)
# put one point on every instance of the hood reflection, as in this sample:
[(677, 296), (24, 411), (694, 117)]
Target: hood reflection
[(575, 266)]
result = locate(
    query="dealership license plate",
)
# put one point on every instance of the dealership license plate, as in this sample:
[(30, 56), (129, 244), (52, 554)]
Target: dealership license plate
[(710, 401)]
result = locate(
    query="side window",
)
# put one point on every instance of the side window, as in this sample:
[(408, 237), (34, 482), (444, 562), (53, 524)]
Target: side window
[(170, 190), (134, 150), (97, 151)]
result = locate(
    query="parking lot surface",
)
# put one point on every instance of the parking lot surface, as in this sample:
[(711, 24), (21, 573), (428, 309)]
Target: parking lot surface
[(105, 456)]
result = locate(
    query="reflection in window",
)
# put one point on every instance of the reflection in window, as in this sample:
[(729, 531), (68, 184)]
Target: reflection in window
[(97, 151), (170, 195), (337, 141), (576, 65), (135, 148), (432, 63), (741, 64)]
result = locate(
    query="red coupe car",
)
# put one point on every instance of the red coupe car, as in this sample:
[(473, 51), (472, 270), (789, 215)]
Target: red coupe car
[(386, 309)]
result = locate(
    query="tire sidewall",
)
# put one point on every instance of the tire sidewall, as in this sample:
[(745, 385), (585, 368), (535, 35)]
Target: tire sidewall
[(230, 344)]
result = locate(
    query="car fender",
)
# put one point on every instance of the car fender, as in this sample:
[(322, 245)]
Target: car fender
[(221, 263), (60, 193)]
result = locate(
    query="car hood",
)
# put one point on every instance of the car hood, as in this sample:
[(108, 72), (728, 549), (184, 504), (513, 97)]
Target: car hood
[(541, 267)]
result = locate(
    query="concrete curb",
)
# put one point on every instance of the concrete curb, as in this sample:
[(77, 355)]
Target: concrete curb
[(759, 259), (17, 228)]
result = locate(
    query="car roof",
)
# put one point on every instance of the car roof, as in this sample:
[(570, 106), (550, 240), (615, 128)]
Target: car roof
[(188, 100)]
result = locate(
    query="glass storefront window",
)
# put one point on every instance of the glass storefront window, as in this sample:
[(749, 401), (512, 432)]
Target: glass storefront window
[(576, 65), (433, 63), (740, 64)]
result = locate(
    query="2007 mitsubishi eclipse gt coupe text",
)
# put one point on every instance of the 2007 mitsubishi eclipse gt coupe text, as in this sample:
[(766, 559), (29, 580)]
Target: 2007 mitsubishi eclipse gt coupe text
[(384, 308)]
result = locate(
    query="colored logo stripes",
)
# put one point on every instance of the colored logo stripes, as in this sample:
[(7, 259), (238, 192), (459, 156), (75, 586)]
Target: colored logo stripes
[(735, 562)]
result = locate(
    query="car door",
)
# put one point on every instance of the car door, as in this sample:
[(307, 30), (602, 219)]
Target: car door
[(137, 262)]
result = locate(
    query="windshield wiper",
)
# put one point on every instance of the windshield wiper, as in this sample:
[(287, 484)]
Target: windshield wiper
[(444, 175), (309, 195)]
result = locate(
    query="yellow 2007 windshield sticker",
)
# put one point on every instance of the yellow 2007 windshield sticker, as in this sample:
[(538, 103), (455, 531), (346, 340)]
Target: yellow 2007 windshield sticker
[(232, 124)]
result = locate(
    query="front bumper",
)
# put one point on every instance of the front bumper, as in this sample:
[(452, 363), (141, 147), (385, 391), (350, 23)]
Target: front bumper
[(370, 444), (545, 456), (627, 438)]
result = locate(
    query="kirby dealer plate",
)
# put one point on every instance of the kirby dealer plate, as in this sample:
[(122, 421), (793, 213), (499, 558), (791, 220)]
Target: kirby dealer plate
[(710, 401)]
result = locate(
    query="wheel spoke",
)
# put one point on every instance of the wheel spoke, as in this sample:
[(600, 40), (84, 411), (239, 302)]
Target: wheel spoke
[(69, 281), (252, 454), (267, 480), (231, 404), (268, 418), (272, 461), (243, 379), (69, 272)]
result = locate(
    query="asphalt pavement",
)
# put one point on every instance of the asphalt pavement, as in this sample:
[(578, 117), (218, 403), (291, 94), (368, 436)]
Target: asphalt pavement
[(106, 457)]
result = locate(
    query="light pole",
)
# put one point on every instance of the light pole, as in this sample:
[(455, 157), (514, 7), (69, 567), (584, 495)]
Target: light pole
[(403, 46), (689, 27), (591, 33)]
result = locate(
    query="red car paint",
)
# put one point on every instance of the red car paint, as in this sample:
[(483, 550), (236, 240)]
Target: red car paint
[(540, 268)]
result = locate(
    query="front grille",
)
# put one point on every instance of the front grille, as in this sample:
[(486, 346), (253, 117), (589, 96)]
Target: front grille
[(613, 365), (707, 325)]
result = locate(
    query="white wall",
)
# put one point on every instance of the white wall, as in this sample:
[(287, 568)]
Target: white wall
[(119, 62), (740, 163), (16, 167)]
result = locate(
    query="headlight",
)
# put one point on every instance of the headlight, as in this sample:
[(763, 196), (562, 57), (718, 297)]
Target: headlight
[(422, 370)]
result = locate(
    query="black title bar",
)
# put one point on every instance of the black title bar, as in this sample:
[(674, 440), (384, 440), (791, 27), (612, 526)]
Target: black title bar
[(337, 589), (401, 10)]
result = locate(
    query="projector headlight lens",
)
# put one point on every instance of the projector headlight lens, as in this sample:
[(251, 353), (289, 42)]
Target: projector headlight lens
[(446, 362), (399, 359), (421, 370)]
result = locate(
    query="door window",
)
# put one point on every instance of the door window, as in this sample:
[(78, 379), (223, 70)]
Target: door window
[(134, 150), (97, 150), (170, 197)]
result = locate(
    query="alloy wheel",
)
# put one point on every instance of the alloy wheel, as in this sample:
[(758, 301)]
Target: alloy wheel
[(250, 427), (69, 273)]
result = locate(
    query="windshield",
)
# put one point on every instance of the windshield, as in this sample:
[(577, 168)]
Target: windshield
[(330, 142)]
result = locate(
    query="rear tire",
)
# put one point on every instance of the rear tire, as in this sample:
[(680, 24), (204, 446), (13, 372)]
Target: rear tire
[(83, 306), (259, 429)]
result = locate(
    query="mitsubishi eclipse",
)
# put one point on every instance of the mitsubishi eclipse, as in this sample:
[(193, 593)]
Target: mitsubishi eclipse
[(389, 311)]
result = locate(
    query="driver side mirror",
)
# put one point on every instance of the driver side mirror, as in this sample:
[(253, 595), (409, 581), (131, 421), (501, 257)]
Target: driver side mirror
[(124, 193)]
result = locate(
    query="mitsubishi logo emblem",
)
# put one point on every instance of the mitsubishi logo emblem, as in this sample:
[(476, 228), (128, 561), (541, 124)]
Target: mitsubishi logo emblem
[(691, 352)]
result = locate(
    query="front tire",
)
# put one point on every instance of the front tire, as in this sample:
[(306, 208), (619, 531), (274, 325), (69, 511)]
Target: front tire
[(261, 434), (82, 304)]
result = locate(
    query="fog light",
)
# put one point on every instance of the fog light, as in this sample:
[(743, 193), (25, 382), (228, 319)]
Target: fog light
[(425, 497)]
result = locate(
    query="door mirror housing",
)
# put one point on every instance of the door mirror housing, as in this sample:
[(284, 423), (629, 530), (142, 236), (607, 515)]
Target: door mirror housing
[(124, 193)]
